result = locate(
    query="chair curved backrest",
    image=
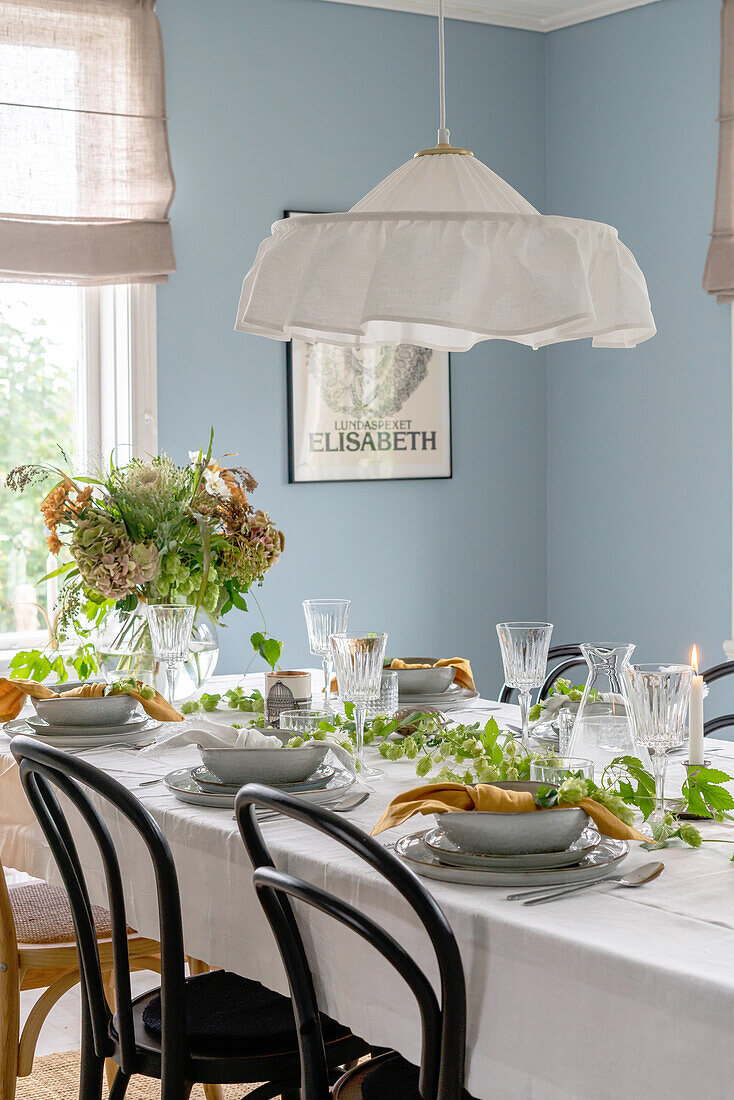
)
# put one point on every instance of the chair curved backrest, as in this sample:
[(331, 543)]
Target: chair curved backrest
[(710, 676), (569, 655), (443, 1023), (720, 723), (44, 771)]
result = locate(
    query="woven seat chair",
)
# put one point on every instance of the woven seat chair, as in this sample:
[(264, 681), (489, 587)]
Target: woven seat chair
[(38, 951)]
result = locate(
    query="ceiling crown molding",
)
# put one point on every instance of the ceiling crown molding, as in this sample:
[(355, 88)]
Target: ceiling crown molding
[(527, 15)]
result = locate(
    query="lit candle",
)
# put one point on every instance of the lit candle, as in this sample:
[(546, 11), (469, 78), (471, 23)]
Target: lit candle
[(695, 715)]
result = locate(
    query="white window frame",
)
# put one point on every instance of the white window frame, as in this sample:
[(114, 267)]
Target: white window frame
[(117, 397)]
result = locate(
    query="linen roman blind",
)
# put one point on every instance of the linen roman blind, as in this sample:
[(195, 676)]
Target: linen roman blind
[(718, 276), (85, 172)]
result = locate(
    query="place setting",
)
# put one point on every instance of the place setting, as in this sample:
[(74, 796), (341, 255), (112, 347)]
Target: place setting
[(443, 684), (82, 716), (288, 758), (492, 834)]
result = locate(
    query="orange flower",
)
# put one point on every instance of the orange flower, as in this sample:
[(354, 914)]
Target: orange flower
[(53, 542), (82, 500)]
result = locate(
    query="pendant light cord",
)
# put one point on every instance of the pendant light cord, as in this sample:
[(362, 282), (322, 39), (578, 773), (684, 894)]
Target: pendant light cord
[(443, 134)]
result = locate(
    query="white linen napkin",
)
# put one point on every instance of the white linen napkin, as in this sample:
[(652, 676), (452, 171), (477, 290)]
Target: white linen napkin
[(214, 735)]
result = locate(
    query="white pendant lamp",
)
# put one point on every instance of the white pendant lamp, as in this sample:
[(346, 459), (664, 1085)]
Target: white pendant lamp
[(443, 253)]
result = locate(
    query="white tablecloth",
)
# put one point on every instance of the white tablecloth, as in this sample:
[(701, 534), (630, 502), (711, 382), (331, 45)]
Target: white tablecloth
[(606, 994)]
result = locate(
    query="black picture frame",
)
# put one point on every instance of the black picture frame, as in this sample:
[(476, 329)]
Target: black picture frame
[(290, 417)]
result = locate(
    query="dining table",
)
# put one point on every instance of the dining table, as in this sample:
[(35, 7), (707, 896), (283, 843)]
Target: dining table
[(606, 993)]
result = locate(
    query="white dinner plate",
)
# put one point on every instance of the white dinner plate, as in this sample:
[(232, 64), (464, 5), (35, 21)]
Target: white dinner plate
[(315, 782), (601, 861), (41, 726), (185, 789), (448, 853), (94, 740)]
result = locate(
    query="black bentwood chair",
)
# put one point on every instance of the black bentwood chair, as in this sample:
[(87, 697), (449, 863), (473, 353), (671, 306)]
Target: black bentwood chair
[(569, 656), (710, 676), (387, 1076), (217, 1027)]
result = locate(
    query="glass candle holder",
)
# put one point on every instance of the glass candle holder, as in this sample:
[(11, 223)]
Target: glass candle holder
[(387, 701)]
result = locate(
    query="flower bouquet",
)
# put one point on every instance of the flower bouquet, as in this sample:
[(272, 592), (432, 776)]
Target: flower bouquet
[(147, 532)]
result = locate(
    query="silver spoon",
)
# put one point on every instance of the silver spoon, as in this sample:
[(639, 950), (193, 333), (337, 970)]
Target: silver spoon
[(646, 873)]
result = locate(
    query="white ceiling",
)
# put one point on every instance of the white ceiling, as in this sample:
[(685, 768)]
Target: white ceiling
[(530, 15)]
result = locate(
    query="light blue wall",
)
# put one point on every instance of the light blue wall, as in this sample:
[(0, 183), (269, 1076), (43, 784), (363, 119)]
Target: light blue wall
[(639, 442), (303, 104)]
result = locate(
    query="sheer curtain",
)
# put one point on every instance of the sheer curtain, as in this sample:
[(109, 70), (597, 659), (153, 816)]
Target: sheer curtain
[(86, 180), (718, 276)]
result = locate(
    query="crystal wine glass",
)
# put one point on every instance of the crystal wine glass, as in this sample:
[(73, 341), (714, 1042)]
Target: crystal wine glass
[(358, 659), (658, 698), (524, 658), (170, 634), (324, 618)]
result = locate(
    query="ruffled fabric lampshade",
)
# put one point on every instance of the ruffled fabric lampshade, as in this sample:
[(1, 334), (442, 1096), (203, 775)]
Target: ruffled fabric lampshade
[(444, 253)]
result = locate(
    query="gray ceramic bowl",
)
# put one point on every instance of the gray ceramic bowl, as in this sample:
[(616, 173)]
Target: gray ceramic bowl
[(485, 833), (108, 710), (423, 681), (284, 765)]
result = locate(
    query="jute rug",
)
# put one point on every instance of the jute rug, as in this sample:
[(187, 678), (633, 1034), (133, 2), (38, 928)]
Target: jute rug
[(56, 1077)]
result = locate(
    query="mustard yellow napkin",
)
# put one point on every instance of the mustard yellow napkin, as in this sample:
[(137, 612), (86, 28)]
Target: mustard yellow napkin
[(13, 695), (439, 798), (463, 675)]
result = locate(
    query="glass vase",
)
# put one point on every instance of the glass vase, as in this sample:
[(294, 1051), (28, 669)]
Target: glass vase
[(603, 729), (124, 647)]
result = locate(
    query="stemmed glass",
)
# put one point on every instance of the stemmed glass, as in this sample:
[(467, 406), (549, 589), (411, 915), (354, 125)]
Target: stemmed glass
[(324, 618), (358, 659), (524, 658), (170, 633), (658, 698)]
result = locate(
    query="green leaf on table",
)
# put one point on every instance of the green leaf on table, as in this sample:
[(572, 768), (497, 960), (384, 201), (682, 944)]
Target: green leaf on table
[(718, 798)]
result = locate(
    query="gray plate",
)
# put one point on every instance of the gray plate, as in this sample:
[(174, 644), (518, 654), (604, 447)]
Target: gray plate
[(598, 863), (41, 726), (453, 699), (209, 781), (440, 845), (186, 789), (93, 740)]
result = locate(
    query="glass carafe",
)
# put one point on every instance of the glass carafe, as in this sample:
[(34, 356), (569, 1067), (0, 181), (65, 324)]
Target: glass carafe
[(602, 729)]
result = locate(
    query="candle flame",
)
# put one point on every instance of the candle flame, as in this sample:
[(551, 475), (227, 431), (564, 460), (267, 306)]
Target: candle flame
[(694, 659)]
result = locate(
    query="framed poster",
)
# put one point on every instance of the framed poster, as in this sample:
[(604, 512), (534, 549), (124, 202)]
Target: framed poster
[(367, 414)]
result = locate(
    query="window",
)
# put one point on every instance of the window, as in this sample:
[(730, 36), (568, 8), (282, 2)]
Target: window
[(78, 376)]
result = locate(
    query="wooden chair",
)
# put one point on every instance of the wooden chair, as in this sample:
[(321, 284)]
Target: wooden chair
[(215, 1027), (387, 1075), (38, 951)]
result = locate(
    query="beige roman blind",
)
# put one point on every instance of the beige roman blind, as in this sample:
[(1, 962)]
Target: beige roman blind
[(718, 276), (85, 172)]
